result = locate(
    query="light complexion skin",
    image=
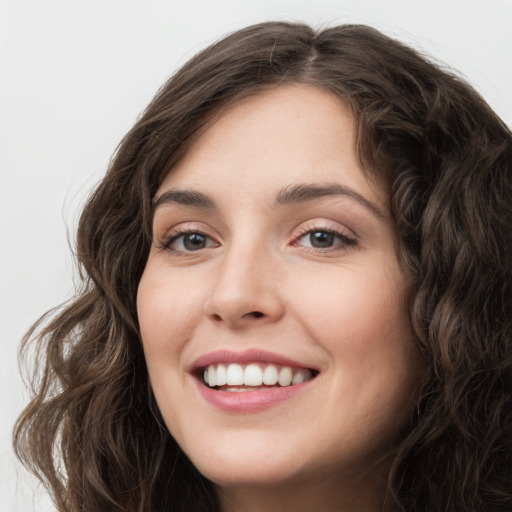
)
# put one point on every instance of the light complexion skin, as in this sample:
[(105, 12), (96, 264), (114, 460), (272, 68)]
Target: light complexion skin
[(272, 249)]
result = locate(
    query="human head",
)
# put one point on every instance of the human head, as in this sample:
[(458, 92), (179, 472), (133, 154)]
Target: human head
[(427, 136)]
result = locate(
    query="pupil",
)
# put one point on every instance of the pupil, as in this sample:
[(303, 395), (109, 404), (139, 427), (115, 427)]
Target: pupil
[(321, 239), (194, 241)]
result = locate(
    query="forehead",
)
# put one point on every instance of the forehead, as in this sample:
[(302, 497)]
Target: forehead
[(290, 134)]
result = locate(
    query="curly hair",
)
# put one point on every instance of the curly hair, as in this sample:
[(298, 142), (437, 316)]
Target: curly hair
[(92, 431)]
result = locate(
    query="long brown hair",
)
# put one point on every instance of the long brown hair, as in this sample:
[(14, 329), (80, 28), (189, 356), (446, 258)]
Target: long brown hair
[(92, 431)]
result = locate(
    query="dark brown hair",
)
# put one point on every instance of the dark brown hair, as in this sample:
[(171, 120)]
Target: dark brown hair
[(92, 431)]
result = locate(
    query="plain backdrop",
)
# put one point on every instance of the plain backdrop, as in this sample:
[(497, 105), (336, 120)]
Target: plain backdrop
[(74, 75)]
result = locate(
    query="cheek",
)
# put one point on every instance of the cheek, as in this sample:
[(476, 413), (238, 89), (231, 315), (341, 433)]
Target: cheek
[(355, 308), (361, 319), (168, 312)]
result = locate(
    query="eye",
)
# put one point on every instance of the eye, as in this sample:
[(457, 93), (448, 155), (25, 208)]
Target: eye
[(324, 239), (188, 241)]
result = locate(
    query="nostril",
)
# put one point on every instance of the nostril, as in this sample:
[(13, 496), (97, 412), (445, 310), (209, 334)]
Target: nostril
[(235, 317)]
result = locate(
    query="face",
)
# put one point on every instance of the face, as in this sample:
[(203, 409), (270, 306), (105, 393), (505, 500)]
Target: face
[(272, 307)]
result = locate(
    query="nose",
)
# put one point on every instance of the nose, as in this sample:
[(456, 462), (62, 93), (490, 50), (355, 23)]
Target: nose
[(246, 290)]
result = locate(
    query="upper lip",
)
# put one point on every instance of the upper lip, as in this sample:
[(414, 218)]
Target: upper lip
[(245, 357)]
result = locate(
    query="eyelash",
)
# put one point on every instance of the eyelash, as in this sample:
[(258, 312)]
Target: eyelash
[(173, 236), (346, 241)]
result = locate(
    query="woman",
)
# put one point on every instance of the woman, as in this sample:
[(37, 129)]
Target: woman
[(296, 293)]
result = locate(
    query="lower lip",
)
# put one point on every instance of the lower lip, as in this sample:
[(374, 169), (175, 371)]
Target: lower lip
[(249, 401)]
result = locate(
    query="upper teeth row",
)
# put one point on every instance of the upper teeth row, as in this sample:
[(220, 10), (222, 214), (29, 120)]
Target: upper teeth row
[(254, 375)]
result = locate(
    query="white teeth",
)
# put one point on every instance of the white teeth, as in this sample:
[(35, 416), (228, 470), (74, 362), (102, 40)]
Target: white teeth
[(270, 375), (299, 377), (285, 376), (254, 375), (220, 376), (211, 376), (234, 375)]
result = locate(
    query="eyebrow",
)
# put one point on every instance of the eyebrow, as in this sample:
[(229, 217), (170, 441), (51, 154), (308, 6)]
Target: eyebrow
[(294, 194), (185, 197), (306, 192)]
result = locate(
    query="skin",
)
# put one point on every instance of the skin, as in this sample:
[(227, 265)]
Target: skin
[(258, 282)]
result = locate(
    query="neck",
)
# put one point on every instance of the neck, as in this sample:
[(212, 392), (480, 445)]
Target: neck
[(323, 496)]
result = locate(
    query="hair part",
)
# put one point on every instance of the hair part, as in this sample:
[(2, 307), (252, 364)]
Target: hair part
[(92, 431)]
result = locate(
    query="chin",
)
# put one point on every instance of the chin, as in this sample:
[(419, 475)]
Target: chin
[(251, 474), (253, 462)]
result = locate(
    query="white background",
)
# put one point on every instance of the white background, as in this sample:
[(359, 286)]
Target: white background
[(74, 75)]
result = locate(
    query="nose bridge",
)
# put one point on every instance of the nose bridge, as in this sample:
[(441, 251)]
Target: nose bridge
[(246, 288)]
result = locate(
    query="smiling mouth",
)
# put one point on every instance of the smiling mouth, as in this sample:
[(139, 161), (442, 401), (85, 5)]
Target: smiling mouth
[(236, 377)]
